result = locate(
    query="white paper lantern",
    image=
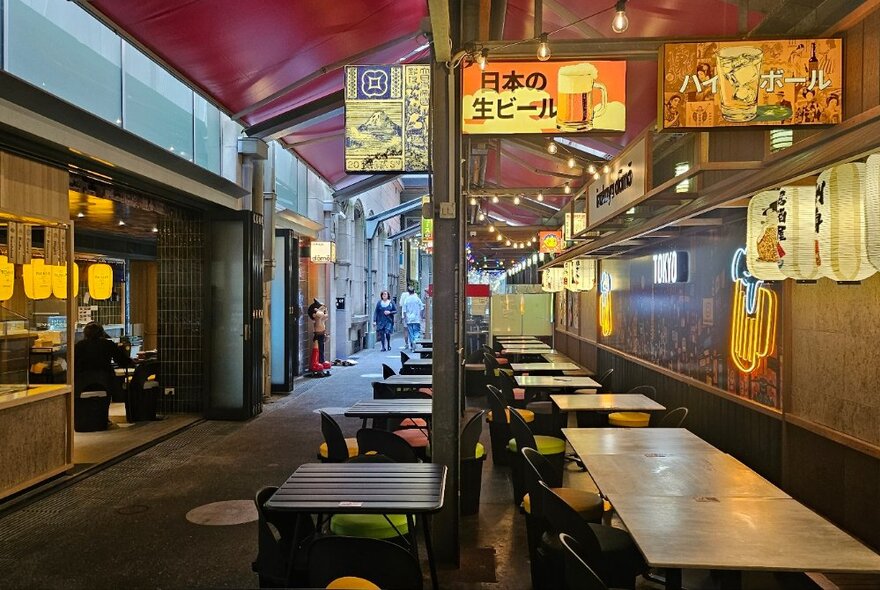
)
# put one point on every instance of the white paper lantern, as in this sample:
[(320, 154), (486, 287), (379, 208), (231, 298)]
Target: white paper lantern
[(552, 279), (762, 238), (840, 223), (568, 276), (584, 274), (796, 232), (872, 209)]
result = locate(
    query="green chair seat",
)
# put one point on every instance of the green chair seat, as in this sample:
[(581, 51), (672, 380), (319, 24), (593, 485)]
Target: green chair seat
[(373, 526), (547, 445), (481, 451)]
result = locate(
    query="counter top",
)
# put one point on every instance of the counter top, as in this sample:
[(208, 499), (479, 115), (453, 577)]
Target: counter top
[(33, 393)]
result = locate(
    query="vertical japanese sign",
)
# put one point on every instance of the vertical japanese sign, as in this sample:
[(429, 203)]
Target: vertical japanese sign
[(735, 83), (544, 97), (386, 118), (573, 225)]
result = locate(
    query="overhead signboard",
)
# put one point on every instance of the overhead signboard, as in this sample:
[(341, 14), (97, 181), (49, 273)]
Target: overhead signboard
[(619, 189), (737, 83), (387, 118), (544, 97), (322, 252), (670, 267), (550, 242)]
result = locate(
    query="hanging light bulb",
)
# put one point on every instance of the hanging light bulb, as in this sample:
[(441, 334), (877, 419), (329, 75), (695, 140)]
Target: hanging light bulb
[(606, 168), (473, 201), (543, 48), (507, 242), (595, 176), (552, 148), (567, 189), (491, 229), (534, 239), (516, 200), (500, 237), (481, 216), (540, 196), (620, 23), (572, 162), (591, 169), (494, 198), (483, 58)]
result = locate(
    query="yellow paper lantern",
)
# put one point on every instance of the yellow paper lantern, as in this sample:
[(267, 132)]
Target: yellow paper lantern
[(100, 281), (763, 252), (840, 223), (872, 209), (59, 281), (37, 279), (796, 232), (7, 279)]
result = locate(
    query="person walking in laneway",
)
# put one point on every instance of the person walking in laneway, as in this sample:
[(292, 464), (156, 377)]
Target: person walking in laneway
[(400, 301), (412, 315), (383, 317)]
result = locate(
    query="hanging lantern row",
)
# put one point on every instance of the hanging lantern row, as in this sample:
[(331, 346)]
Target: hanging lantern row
[(831, 230), (41, 280)]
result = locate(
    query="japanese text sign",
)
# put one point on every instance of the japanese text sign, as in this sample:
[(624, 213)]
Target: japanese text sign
[(544, 97), (622, 187), (550, 242), (736, 83), (323, 252), (386, 118), (574, 224)]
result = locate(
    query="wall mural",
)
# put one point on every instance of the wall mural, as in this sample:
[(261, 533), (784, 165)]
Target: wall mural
[(688, 327)]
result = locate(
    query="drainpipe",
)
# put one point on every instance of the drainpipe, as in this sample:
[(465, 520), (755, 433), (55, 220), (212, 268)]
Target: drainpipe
[(269, 264)]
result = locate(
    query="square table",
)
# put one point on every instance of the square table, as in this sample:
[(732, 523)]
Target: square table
[(424, 342), (543, 367), (417, 366), (548, 382), (587, 442), (390, 408), (603, 402), (406, 381), (424, 351), (414, 489)]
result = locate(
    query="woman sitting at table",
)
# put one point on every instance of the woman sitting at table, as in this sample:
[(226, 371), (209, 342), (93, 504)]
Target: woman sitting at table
[(94, 354)]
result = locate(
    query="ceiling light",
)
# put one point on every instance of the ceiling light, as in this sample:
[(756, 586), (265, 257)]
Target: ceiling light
[(516, 200), (500, 237), (620, 23), (507, 242), (540, 196), (121, 222), (591, 169), (483, 58), (155, 229), (606, 168), (552, 148), (534, 239), (473, 201), (481, 216), (572, 162), (491, 229), (543, 48), (567, 189), (494, 198), (80, 214)]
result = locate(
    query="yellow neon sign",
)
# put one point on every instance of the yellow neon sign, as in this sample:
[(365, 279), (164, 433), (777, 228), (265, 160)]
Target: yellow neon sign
[(605, 305), (753, 317)]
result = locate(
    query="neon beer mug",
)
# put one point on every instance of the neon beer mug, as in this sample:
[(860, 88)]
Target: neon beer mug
[(753, 317), (574, 97)]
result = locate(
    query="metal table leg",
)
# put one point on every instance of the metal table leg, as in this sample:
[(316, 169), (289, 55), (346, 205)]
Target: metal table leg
[(429, 549)]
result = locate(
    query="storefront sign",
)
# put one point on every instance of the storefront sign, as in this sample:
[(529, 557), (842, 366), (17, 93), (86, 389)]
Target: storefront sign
[(7, 279), (387, 118), (753, 317), (428, 233), (544, 97), (621, 187), (37, 279), (606, 311), (322, 252), (735, 83), (100, 279), (549, 242), (575, 223), (670, 267)]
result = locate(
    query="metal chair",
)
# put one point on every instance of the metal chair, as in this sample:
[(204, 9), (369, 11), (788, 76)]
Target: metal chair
[(385, 564), (673, 419), (277, 532), (335, 448), (385, 443), (578, 575), (472, 457)]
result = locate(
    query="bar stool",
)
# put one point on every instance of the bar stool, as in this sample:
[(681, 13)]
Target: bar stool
[(633, 419)]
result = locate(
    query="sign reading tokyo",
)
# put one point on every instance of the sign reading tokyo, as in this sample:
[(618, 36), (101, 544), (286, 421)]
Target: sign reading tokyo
[(621, 187), (544, 97), (734, 83), (386, 118), (670, 267)]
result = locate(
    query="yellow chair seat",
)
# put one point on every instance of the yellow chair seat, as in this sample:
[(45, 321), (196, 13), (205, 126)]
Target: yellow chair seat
[(527, 415), (585, 391), (629, 419), (373, 526), (352, 583), (547, 445), (589, 505), (351, 443)]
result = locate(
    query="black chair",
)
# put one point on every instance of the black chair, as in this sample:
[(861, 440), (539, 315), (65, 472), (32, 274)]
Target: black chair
[(499, 428), (92, 392), (551, 447), (140, 402), (646, 390), (496, 345), (383, 563), (605, 381), (578, 575), (277, 533), (673, 419), (387, 371), (473, 455), (385, 443), (610, 552), (336, 448), (403, 358)]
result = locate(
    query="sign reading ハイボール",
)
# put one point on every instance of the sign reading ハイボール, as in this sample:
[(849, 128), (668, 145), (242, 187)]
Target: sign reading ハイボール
[(733, 83), (387, 118), (544, 97), (617, 190)]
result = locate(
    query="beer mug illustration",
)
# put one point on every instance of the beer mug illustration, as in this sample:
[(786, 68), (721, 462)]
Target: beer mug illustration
[(740, 71), (574, 97), (753, 317), (606, 317)]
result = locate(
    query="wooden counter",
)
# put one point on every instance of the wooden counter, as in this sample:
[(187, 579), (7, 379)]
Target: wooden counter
[(37, 427)]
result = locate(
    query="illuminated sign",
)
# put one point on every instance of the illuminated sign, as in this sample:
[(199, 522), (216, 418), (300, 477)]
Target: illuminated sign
[(670, 267), (544, 97), (322, 252), (753, 317), (840, 225), (387, 118), (735, 83), (59, 281), (606, 319), (7, 279), (37, 279), (100, 280), (622, 187), (550, 242)]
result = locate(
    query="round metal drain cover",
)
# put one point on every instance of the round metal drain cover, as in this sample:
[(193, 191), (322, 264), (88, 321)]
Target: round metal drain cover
[(227, 513)]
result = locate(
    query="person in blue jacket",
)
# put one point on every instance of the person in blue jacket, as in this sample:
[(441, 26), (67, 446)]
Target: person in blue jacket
[(383, 317)]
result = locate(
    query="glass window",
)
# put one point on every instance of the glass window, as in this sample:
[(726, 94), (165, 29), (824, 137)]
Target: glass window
[(286, 178), (207, 118), (158, 106), (60, 48)]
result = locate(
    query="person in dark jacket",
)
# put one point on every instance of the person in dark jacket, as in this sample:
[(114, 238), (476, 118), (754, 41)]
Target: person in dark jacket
[(384, 319), (94, 353)]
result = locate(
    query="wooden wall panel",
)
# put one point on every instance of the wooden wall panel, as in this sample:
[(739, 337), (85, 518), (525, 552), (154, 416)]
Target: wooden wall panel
[(852, 47), (870, 79), (33, 189)]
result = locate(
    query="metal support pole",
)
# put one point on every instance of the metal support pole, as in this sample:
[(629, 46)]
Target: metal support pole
[(447, 304)]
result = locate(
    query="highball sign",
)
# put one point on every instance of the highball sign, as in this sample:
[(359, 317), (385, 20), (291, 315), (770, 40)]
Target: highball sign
[(622, 187)]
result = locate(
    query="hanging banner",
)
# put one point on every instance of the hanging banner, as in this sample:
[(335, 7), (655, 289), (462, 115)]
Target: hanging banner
[(544, 97), (736, 83), (575, 223), (37, 279), (550, 242), (322, 252), (619, 189), (59, 281), (387, 118)]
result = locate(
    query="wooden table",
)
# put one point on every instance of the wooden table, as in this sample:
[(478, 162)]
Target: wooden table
[(424, 342), (414, 489), (424, 351), (618, 441), (547, 382), (543, 367), (390, 408), (418, 366), (409, 380), (604, 402)]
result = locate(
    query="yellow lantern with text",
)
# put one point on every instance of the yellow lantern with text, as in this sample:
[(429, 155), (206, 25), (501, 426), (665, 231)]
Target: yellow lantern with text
[(37, 279), (100, 281), (7, 279), (59, 281), (762, 237), (796, 233), (840, 224)]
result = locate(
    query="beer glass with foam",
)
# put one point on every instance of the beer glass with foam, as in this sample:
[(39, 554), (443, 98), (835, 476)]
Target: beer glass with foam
[(574, 97), (740, 69)]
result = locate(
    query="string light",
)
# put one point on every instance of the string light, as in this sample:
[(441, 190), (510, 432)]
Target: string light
[(473, 201), (552, 148), (606, 168), (543, 48), (572, 162), (595, 176), (494, 198), (591, 169), (491, 229), (567, 189), (516, 200), (507, 242), (620, 22), (500, 237), (481, 216), (540, 196)]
